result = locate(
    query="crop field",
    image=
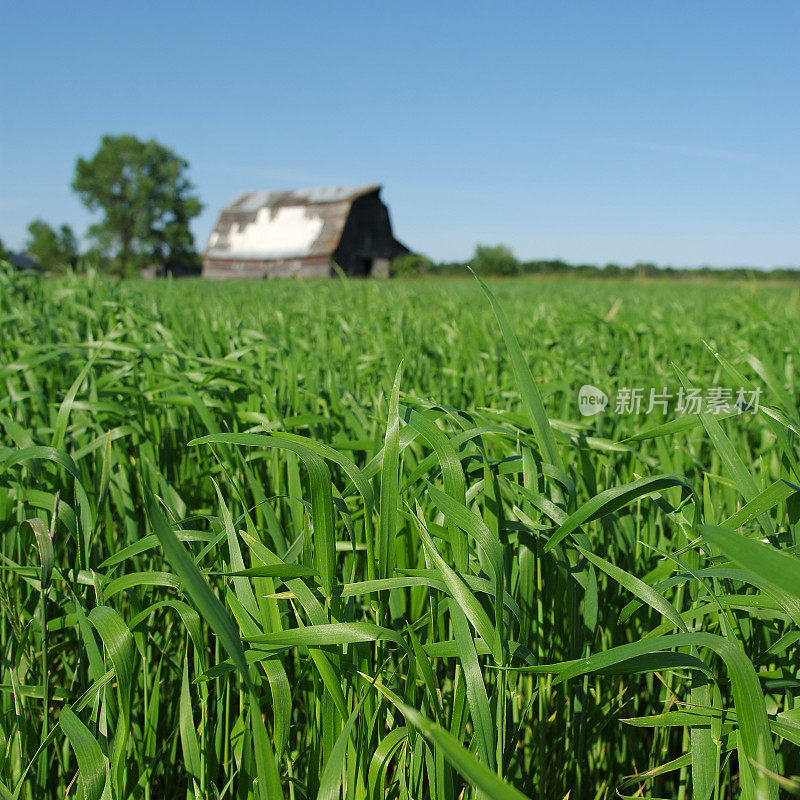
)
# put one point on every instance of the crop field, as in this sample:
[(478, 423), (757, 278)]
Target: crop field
[(355, 539)]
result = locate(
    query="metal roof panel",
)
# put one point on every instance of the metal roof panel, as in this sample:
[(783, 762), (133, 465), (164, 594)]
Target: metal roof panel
[(281, 225)]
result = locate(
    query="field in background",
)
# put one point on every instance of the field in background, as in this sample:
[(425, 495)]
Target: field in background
[(247, 554)]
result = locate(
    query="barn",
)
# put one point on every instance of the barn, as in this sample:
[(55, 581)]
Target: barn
[(304, 233)]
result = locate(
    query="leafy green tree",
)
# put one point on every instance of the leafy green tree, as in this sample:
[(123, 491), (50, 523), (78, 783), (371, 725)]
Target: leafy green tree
[(54, 250), (146, 200), (494, 260), (4, 254), (645, 270), (410, 265)]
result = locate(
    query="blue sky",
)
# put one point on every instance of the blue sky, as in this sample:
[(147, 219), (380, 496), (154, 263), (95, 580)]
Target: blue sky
[(590, 131)]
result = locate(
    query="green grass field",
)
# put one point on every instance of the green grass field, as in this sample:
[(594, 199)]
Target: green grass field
[(355, 539)]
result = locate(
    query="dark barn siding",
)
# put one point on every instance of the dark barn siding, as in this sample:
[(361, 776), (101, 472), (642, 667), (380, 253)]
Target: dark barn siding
[(367, 236)]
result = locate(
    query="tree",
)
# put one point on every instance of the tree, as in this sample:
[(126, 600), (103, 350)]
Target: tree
[(55, 251), (496, 260), (146, 199), (612, 270), (645, 270), (410, 265), (4, 254)]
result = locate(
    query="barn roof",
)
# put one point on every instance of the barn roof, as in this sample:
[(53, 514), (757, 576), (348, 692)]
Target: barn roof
[(304, 223)]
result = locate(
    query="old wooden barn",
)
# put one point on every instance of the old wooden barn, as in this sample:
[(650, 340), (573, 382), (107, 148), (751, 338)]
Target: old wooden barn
[(304, 233)]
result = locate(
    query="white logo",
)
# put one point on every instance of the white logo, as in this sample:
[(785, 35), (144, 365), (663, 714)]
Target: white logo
[(591, 400)]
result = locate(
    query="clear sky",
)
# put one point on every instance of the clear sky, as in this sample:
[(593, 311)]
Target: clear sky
[(596, 131)]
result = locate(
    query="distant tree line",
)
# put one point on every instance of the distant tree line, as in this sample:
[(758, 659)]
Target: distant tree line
[(499, 260), (145, 202)]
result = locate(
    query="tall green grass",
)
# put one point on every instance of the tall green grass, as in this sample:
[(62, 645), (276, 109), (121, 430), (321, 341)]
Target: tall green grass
[(350, 539)]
